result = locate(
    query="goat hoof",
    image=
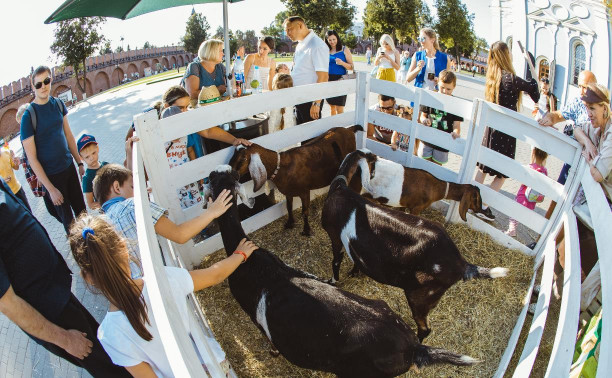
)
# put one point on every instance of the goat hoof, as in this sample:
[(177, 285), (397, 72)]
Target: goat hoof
[(289, 225), (423, 334), (274, 352), (332, 281), (306, 233)]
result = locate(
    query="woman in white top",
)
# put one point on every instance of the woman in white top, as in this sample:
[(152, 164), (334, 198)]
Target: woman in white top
[(128, 332), (387, 59), (427, 64), (261, 60)]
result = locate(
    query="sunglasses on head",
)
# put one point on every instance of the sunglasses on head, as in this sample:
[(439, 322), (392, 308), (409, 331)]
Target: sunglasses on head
[(545, 81), (40, 83), (421, 39)]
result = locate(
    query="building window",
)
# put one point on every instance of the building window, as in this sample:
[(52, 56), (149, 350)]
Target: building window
[(543, 69), (578, 61)]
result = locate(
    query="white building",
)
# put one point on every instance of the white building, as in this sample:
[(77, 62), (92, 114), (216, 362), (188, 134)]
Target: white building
[(575, 35)]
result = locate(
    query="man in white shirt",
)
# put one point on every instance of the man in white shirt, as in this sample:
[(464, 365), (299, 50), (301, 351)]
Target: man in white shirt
[(310, 64)]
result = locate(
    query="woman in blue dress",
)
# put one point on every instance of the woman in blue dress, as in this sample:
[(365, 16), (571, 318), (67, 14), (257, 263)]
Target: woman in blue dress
[(206, 70), (340, 61)]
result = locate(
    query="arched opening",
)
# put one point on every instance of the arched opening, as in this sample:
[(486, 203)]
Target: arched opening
[(8, 124), (578, 61), (144, 64), (117, 76), (60, 89), (101, 82), (165, 62), (89, 88), (172, 62), (181, 62), (132, 69), (543, 68)]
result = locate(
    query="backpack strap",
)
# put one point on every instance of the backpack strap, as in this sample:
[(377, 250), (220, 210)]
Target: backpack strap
[(32, 116)]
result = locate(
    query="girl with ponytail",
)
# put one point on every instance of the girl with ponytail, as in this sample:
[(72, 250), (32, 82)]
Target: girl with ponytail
[(128, 332)]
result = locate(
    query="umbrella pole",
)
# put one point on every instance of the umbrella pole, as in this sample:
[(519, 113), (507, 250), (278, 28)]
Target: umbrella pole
[(227, 49)]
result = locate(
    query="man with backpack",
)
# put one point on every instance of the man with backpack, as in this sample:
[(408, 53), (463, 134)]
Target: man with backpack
[(49, 146)]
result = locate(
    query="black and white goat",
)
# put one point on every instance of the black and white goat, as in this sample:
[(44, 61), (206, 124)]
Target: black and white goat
[(314, 324), (393, 247)]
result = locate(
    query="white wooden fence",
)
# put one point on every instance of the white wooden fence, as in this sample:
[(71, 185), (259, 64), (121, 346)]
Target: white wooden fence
[(478, 115)]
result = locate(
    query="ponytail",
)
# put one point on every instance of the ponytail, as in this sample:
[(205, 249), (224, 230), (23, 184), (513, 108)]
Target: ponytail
[(101, 254)]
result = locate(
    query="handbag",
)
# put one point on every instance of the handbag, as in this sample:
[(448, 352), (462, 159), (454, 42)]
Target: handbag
[(349, 76)]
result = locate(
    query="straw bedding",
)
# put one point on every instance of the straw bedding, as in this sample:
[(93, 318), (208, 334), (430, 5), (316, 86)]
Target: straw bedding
[(474, 318)]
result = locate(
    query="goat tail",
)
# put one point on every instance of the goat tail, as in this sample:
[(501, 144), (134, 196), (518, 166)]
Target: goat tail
[(426, 355), (356, 128), (475, 271)]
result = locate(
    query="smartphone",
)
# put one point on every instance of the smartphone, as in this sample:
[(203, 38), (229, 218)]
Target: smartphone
[(382, 53), (431, 76)]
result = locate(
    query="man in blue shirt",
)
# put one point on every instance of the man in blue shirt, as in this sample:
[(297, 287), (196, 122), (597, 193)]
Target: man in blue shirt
[(35, 291), (50, 147)]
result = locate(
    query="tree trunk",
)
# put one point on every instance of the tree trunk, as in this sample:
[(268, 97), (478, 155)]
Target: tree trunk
[(76, 74), (458, 57)]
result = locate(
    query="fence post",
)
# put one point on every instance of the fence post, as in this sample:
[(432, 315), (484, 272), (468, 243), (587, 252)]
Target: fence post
[(362, 99)]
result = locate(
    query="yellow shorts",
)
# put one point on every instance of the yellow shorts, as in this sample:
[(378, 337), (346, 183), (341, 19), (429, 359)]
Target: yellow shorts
[(386, 74)]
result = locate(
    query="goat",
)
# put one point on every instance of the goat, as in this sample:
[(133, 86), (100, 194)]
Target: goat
[(299, 170), (316, 325), (394, 248), (394, 185)]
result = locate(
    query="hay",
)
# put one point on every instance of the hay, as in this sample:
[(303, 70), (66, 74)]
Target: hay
[(474, 318)]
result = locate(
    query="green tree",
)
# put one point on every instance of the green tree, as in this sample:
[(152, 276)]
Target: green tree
[(219, 33), (275, 30), (391, 17), (455, 27), (250, 40), (75, 41), (323, 15), (349, 40), (148, 45), (119, 49), (196, 32), (480, 44), (106, 48)]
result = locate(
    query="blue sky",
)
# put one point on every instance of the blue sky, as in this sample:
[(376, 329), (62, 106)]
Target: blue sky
[(30, 47)]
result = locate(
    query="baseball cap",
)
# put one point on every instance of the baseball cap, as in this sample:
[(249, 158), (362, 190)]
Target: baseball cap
[(84, 140)]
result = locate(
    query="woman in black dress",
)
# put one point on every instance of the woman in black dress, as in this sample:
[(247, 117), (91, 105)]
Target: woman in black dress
[(503, 87)]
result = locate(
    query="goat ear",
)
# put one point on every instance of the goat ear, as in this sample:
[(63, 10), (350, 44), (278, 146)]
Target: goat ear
[(258, 172), (464, 205), (207, 194), (241, 191)]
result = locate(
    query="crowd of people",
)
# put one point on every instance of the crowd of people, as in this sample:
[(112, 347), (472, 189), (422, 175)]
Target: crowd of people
[(35, 281)]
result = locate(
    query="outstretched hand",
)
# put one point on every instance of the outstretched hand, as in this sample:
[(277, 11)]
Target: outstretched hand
[(221, 204), (244, 142)]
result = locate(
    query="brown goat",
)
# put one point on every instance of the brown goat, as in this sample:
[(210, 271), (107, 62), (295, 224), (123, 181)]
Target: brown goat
[(392, 184), (299, 170)]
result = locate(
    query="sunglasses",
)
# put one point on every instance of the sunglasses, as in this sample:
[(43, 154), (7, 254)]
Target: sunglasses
[(40, 83), (421, 39), (545, 81)]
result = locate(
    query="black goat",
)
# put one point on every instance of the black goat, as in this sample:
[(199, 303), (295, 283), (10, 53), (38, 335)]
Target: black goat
[(393, 247), (316, 325)]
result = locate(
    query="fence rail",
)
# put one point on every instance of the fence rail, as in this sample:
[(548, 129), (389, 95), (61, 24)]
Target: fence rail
[(478, 115)]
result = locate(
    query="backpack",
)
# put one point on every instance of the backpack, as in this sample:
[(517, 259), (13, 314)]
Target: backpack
[(37, 187)]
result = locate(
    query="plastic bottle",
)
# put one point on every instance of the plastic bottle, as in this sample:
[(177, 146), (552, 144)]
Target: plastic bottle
[(255, 81), (239, 75)]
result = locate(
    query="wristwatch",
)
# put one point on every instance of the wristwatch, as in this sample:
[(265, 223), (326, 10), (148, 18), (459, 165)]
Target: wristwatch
[(80, 164), (314, 103)]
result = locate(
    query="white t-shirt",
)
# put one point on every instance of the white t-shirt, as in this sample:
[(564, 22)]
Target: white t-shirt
[(430, 67), (126, 348), (311, 55)]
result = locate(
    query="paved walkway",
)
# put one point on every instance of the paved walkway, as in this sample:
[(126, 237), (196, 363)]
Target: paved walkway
[(108, 117)]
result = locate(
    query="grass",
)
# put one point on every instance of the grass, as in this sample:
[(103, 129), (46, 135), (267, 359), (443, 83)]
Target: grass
[(149, 79)]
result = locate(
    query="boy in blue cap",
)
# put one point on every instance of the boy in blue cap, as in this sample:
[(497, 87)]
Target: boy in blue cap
[(89, 150)]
